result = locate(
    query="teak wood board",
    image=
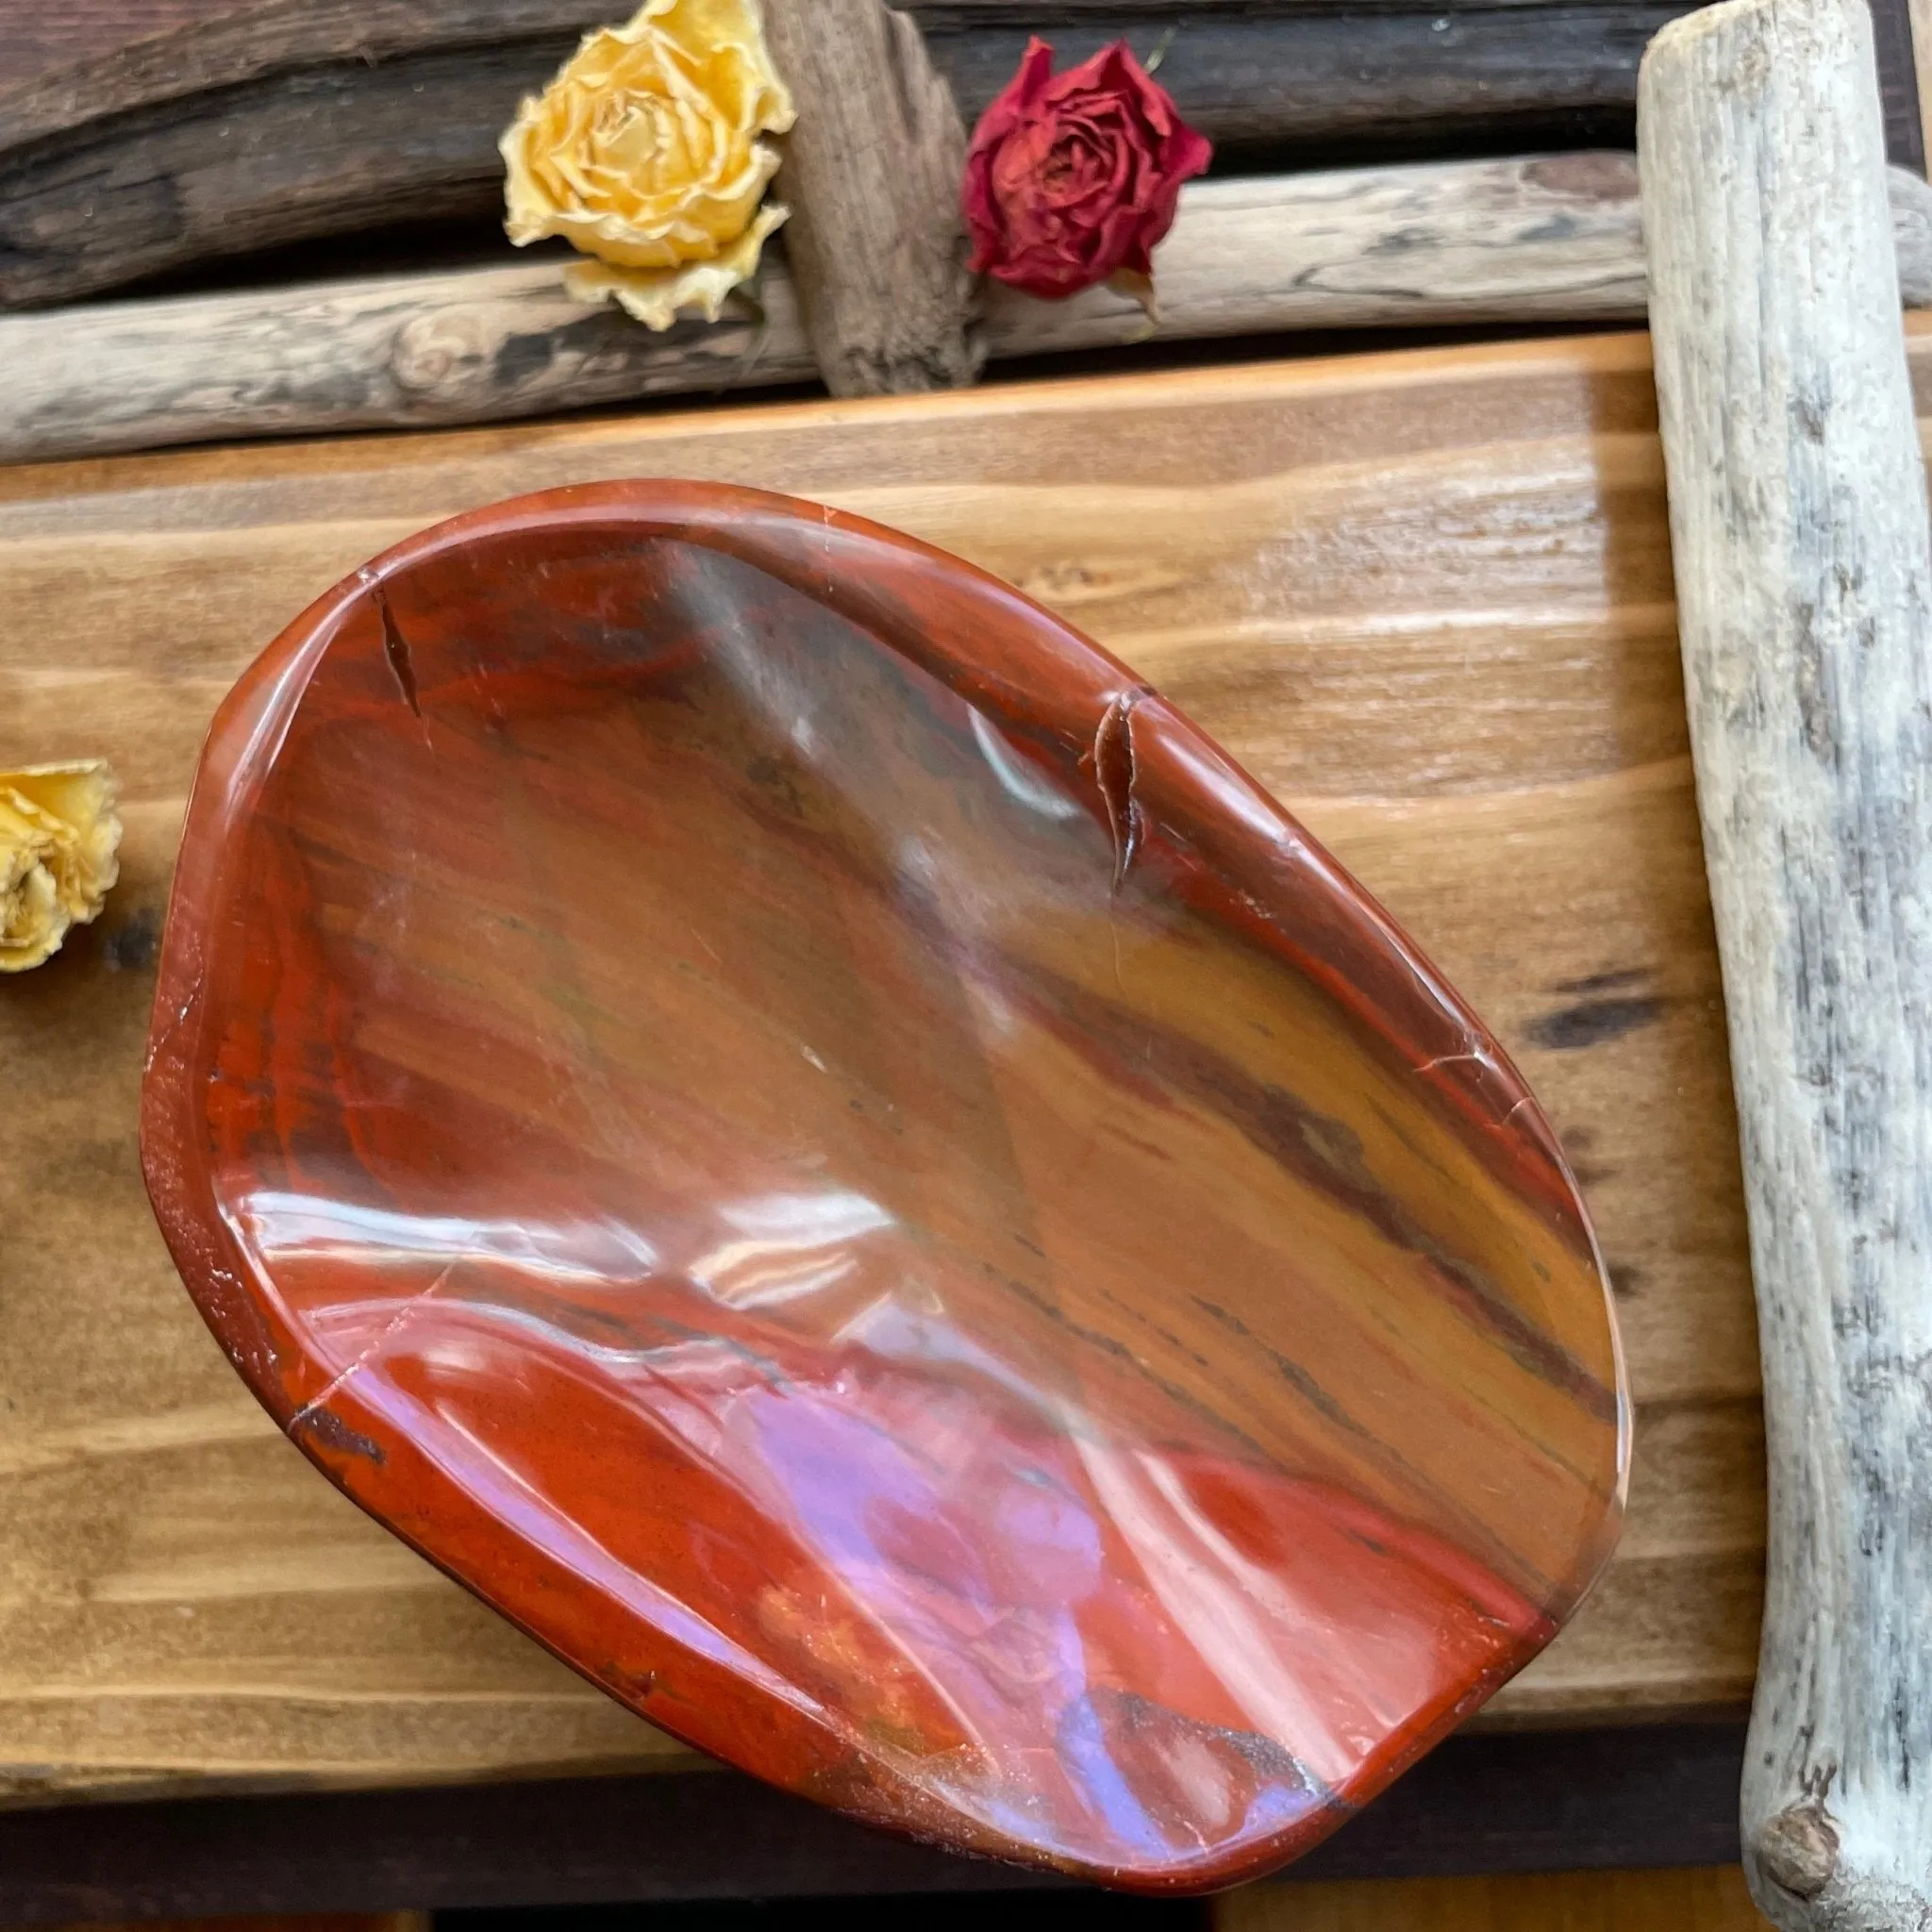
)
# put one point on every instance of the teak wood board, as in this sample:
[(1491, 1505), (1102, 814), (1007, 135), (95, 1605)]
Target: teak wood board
[(1425, 597)]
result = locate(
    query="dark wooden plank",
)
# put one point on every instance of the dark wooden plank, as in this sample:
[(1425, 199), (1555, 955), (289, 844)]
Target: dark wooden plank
[(322, 151), (960, 1911), (226, 138), (36, 37), (1898, 84), (1306, 86), (936, 14), (1534, 1801)]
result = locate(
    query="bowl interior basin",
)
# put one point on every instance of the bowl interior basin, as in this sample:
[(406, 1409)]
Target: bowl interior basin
[(777, 1113)]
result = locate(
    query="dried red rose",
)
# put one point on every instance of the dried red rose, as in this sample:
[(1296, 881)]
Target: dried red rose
[(1072, 179)]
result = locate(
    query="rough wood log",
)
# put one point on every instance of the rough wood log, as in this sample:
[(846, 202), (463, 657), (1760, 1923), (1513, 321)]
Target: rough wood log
[(877, 243), (1535, 238), (273, 124), (1317, 87), (1803, 570), (285, 120)]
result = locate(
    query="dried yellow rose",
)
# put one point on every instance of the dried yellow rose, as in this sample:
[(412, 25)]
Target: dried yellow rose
[(644, 153), (59, 837)]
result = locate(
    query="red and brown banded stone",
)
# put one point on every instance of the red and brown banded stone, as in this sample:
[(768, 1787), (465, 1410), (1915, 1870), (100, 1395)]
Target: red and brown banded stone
[(773, 1111)]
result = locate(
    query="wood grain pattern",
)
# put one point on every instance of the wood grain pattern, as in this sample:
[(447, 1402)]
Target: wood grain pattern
[(269, 1921), (1425, 598), (1624, 1796), (1527, 239), (35, 38), (1699, 1900), (1550, 238)]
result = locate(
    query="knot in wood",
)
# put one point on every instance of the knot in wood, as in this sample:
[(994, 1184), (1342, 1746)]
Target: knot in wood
[(1798, 1849), (443, 355), (1605, 179)]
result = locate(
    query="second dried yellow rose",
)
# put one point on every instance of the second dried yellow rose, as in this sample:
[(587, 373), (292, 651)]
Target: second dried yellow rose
[(59, 837), (644, 153)]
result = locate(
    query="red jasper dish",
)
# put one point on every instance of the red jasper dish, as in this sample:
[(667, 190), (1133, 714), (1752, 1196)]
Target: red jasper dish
[(778, 1114)]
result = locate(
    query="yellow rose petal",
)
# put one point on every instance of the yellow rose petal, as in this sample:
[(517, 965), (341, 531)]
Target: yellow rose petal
[(60, 838), (644, 153), (656, 297), (32, 921)]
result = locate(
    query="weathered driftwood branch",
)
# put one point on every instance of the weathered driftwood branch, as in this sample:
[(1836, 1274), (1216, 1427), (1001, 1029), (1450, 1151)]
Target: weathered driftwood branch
[(1799, 526), (1550, 239), (292, 119), (875, 242)]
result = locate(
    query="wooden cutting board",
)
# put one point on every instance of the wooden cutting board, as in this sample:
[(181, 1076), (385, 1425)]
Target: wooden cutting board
[(1426, 597)]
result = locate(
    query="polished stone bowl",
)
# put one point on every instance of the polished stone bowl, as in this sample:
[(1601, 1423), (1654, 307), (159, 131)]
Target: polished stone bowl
[(773, 1111)]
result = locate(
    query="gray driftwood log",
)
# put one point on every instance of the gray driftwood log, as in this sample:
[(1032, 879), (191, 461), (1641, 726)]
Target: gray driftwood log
[(877, 243), (1553, 238), (286, 120), (1804, 568)]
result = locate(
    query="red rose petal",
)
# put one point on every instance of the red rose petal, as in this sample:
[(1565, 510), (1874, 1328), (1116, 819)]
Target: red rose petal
[(1072, 177)]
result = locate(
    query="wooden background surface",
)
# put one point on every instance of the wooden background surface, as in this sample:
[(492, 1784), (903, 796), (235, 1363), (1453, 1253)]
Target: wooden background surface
[(1426, 597), (1569, 77), (1707, 1900)]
